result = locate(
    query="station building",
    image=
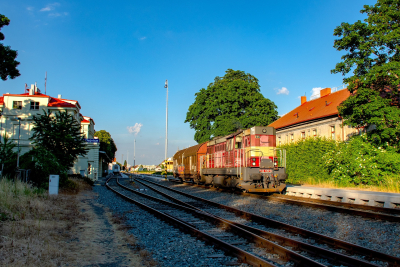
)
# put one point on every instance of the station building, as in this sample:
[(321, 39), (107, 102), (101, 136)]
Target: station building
[(16, 121), (317, 117)]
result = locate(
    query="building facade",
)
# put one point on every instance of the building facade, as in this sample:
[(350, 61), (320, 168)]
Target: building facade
[(317, 117), (16, 121)]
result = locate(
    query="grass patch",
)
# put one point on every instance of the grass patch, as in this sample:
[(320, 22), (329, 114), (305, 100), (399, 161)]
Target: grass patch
[(41, 230)]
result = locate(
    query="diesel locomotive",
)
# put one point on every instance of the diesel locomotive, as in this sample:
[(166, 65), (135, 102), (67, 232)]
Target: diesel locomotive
[(247, 159)]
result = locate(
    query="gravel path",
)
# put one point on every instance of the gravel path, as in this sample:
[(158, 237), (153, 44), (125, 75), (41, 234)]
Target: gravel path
[(373, 234)]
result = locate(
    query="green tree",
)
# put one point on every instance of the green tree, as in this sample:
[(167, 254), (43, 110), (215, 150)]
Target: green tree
[(230, 103), (8, 64), (59, 134), (106, 144), (373, 57), (125, 164), (42, 163), (8, 157)]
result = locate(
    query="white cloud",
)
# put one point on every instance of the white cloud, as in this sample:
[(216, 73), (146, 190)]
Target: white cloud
[(29, 8), (58, 14), (157, 144), (142, 38), (135, 129), (50, 7), (282, 91), (315, 93)]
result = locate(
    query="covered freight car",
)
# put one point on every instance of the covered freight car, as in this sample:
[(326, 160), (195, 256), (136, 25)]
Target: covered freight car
[(186, 162)]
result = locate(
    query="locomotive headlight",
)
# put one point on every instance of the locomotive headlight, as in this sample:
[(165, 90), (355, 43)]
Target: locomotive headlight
[(253, 163), (253, 159)]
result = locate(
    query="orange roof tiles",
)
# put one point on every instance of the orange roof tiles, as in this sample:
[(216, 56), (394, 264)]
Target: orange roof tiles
[(53, 102), (321, 107)]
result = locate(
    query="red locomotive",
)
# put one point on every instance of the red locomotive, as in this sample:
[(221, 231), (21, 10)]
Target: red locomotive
[(247, 159)]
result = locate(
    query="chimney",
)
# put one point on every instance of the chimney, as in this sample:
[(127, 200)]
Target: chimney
[(325, 92), (59, 96), (31, 92), (303, 99)]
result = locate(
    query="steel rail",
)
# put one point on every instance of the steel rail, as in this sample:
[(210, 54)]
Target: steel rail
[(371, 212), (281, 240), (226, 247), (283, 252), (375, 209), (337, 243)]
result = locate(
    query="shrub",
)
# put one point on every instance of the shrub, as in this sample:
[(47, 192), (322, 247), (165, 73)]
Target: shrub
[(359, 162), (42, 163), (304, 159)]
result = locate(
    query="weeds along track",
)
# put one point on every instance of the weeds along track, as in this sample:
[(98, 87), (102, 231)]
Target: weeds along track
[(309, 243)]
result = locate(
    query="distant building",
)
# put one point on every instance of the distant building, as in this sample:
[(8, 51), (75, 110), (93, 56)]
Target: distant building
[(33, 102), (317, 117), (168, 164)]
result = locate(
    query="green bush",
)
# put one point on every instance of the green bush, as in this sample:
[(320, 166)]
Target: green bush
[(359, 162), (42, 163), (356, 162), (305, 159)]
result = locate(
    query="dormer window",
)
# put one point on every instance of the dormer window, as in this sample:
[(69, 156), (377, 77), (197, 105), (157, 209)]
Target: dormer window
[(35, 105)]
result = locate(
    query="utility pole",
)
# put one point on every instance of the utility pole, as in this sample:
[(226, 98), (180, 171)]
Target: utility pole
[(134, 153), (166, 132)]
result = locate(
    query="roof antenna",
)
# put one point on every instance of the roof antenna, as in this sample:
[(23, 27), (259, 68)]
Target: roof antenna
[(45, 83)]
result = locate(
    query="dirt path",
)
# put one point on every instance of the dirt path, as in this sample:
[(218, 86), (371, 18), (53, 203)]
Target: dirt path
[(67, 230), (100, 239)]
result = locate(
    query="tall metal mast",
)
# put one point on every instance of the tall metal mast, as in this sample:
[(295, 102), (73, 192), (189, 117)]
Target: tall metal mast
[(134, 153), (166, 132)]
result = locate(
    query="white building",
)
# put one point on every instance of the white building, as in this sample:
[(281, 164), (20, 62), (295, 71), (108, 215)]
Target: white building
[(23, 107), (317, 117)]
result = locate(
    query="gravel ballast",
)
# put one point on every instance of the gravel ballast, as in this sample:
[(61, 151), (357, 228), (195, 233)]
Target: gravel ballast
[(374, 234), (168, 245)]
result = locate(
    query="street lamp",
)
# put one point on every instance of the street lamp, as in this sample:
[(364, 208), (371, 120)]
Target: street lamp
[(19, 133), (166, 133)]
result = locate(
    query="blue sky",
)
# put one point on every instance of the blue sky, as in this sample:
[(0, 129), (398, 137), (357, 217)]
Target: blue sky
[(114, 57)]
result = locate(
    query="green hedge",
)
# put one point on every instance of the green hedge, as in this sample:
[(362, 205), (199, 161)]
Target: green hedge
[(305, 159), (345, 163)]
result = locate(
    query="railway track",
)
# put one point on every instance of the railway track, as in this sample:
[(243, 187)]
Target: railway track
[(371, 212), (334, 243), (256, 227)]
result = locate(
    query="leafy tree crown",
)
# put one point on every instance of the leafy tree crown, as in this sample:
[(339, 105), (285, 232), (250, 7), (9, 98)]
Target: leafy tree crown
[(229, 103)]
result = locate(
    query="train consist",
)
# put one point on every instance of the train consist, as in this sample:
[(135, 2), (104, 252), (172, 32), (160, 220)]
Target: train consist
[(247, 159), (116, 169)]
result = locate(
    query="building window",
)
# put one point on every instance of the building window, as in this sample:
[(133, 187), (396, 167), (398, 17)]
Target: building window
[(17, 104), (333, 132), (303, 135), (34, 105), (279, 138), (292, 138), (314, 131)]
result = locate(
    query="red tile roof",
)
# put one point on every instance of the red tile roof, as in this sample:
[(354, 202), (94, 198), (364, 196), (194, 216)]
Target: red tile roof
[(87, 119), (321, 107), (53, 102)]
